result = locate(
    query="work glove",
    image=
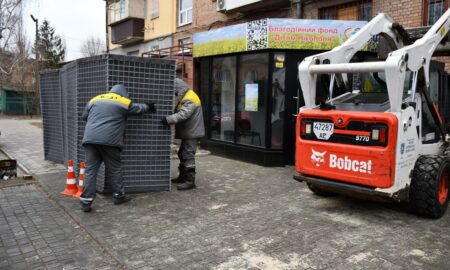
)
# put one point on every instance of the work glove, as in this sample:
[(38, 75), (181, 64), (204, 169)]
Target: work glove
[(151, 107), (164, 121)]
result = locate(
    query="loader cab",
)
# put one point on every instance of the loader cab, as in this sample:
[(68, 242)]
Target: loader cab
[(368, 92), (356, 91), (438, 94)]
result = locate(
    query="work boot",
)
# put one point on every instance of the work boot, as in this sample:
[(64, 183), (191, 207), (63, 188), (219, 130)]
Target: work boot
[(86, 208), (121, 200), (181, 176), (189, 181)]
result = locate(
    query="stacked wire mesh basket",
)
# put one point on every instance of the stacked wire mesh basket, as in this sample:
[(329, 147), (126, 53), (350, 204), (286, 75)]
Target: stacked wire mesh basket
[(66, 91)]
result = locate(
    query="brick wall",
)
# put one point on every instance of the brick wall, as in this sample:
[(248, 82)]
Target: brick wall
[(445, 60), (311, 9), (407, 12)]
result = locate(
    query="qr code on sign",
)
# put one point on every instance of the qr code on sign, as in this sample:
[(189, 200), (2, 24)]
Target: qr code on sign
[(257, 35)]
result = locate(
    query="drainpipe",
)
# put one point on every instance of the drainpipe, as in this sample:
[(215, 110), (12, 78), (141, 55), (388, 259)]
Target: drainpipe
[(298, 8), (107, 32)]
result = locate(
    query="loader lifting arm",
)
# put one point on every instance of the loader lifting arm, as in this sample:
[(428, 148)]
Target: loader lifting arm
[(416, 57), (341, 55)]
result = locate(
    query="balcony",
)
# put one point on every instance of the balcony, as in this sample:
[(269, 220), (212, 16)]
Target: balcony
[(122, 10), (252, 5), (127, 20), (127, 32)]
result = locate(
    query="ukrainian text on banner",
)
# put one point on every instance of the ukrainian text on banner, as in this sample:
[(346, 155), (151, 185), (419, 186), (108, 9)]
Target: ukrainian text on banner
[(275, 34), (310, 34)]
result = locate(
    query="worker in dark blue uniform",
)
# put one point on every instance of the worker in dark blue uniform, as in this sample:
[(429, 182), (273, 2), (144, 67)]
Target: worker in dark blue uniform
[(106, 116), (189, 127)]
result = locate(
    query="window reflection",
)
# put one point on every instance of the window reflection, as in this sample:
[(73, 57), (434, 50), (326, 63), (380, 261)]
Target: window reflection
[(435, 10), (223, 98), (250, 118), (278, 96)]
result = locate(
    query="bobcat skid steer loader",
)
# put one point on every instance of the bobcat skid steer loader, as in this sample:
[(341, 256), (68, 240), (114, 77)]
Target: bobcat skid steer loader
[(385, 135)]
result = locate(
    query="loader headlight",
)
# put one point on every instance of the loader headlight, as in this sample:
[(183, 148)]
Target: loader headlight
[(375, 134), (308, 128), (379, 134), (305, 128)]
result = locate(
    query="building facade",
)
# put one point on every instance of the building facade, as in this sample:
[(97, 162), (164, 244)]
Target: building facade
[(139, 26), (250, 96)]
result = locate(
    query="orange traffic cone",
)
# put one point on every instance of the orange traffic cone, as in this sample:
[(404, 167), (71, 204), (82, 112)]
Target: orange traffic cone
[(71, 185), (80, 181)]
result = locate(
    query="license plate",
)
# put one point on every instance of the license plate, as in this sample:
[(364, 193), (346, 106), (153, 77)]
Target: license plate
[(323, 130)]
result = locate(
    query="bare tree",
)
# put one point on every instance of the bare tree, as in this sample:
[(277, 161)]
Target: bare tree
[(18, 71), (92, 46), (24, 76), (10, 29)]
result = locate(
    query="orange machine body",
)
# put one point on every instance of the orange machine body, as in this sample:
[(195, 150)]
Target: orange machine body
[(348, 155)]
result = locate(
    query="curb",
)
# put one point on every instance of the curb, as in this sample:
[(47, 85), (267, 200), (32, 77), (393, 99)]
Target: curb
[(19, 164)]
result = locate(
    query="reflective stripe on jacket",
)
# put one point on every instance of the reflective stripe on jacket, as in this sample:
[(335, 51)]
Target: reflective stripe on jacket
[(188, 117), (106, 117)]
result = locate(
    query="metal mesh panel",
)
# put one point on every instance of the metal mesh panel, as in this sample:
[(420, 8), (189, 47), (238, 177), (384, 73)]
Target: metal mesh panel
[(63, 81), (52, 119), (146, 155), (92, 81), (69, 90)]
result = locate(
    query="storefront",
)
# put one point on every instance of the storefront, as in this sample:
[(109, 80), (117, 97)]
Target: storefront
[(247, 76)]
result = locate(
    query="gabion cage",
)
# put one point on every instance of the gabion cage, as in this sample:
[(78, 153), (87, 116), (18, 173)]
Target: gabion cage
[(146, 154)]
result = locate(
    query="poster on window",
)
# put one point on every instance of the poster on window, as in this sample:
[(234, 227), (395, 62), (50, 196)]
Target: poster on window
[(251, 97)]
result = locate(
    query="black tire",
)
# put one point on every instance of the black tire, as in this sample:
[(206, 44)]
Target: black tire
[(429, 172), (318, 191)]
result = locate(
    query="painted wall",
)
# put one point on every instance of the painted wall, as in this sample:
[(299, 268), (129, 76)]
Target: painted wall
[(165, 24)]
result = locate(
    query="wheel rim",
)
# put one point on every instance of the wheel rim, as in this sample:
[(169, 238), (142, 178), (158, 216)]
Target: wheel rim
[(443, 188)]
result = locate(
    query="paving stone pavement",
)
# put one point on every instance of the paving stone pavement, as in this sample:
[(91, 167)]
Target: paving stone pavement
[(34, 234), (244, 216), (22, 139)]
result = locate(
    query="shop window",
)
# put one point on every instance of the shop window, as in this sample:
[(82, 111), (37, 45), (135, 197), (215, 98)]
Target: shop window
[(358, 10), (223, 99), (184, 12), (252, 105), (433, 10), (278, 99), (204, 87)]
